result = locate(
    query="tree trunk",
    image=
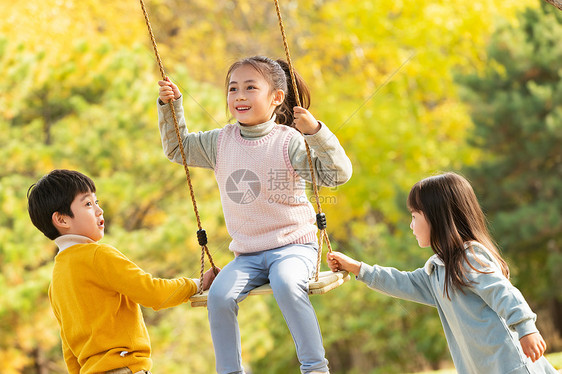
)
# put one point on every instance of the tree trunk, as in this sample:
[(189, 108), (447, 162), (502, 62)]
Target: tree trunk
[(556, 310), (39, 361), (556, 3)]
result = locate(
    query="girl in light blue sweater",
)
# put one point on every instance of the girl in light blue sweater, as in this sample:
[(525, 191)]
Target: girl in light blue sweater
[(489, 326)]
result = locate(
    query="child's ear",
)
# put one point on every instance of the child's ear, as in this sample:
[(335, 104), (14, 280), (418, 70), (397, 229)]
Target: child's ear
[(60, 220), (278, 97)]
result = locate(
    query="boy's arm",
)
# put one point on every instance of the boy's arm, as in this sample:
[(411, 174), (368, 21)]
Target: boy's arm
[(127, 278), (330, 163), (200, 148), (71, 361)]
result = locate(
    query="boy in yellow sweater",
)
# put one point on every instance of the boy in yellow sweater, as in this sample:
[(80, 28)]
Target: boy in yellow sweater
[(95, 291)]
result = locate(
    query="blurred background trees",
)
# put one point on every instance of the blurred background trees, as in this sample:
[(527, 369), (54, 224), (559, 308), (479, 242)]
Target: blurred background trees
[(516, 106), (410, 88)]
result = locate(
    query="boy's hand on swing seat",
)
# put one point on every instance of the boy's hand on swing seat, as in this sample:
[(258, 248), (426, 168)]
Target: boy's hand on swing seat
[(168, 91), (209, 277), (533, 346)]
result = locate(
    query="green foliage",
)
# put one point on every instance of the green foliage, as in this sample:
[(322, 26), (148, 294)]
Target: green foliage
[(104, 126), (516, 106), (555, 359), (79, 91)]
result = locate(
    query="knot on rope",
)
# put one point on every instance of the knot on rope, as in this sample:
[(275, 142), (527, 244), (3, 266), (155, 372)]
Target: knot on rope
[(321, 221), (202, 237)]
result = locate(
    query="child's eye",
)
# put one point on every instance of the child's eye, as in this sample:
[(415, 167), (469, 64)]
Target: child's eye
[(232, 89), (251, 87), (89, 203)]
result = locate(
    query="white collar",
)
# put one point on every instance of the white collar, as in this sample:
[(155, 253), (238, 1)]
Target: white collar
[(430, 264), (66, 241)]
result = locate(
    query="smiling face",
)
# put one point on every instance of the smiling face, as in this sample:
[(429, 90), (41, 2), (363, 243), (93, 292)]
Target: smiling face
[(88, 218), (250, 97), (421, 229)]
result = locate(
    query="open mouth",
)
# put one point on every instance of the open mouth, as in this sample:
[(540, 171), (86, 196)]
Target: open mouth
[(101, 223), (242, 108)]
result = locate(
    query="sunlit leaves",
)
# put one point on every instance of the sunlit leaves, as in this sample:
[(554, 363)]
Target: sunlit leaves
[(516, 107), (79, 91)]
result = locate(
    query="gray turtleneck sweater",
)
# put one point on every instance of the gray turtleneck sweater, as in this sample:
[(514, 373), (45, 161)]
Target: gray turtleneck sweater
[(330, 163)]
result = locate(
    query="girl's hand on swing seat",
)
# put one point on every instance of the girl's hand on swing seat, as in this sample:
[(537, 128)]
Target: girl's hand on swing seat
[(338, 261), (305, 121), (168, 91), (209, 277)]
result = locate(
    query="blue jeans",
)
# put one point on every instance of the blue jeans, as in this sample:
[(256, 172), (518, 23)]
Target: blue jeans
[(288, 270)]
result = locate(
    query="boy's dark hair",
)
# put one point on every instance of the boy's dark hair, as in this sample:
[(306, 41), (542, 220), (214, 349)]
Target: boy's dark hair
[(52, 193)]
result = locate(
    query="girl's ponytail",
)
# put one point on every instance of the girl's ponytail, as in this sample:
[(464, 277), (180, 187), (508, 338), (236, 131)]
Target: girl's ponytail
[(285, 114)]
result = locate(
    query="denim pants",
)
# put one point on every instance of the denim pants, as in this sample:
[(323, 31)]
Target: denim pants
[(288, 270)]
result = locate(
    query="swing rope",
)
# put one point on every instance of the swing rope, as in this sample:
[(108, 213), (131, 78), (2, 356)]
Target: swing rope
[(201, 234), (320, 216)]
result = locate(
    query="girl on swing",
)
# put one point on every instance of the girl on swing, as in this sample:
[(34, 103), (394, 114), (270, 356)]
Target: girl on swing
[(260, 169)]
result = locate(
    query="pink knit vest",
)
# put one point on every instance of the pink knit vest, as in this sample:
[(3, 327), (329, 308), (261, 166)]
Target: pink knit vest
[(263, 199)]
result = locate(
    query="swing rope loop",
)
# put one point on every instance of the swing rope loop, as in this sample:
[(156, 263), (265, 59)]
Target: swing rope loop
[(297, 98), (286, 46), (201, 234), (320, 217)]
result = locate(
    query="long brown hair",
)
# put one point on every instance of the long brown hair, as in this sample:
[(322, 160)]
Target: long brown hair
[(278, 74), (452, 210)]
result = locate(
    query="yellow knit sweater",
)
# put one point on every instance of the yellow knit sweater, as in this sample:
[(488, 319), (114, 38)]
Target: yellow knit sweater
[(95, 295)]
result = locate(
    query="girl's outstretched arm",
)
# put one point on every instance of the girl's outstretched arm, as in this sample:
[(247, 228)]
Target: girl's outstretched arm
[(411, 286), (533, 345)]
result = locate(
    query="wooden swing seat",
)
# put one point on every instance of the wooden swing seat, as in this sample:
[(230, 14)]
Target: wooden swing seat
[(327, 281)]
